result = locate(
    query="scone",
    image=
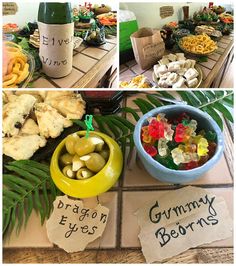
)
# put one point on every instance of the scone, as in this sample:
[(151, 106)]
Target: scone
[(50, 122), (22, 147), (15, 113), (71, 106), (29, 127)]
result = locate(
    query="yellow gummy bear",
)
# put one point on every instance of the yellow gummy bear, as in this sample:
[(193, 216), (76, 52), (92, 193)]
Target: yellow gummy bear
[(202, 147)]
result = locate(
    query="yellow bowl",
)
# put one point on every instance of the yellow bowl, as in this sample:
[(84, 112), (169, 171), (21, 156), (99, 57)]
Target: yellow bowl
[(97, 184)]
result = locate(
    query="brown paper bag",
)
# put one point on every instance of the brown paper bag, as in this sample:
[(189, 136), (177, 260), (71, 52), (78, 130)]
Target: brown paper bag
[(148, 47)]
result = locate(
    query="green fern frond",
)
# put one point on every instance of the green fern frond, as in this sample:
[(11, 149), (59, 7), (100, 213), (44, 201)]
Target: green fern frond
[(26, 188)]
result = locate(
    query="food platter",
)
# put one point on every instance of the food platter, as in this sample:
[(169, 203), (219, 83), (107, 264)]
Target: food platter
[(200, 77), (193, 53), (18, 67), (31, 62)]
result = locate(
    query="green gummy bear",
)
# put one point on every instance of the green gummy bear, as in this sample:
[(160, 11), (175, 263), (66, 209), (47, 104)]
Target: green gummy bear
[(211, 136)]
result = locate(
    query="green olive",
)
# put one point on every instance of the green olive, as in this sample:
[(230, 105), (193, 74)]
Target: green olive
[(67, 171), (105, 154), (66, 159), (100, 144), (70, 143), (77, 163), (84, 146), (95, 162), (84, 173)]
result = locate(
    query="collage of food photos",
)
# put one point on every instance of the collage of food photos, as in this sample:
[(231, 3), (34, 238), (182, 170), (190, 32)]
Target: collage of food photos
[(117, 132)]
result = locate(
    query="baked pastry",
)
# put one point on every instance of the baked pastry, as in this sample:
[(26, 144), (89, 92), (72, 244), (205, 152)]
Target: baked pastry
[(15, 113), (50, 122), (22, 147)]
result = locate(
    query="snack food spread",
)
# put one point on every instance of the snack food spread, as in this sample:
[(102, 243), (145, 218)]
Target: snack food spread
[(199, 44)]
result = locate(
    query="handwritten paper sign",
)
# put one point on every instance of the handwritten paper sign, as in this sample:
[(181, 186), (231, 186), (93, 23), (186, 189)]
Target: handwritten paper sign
[(72, 226), (180, 220), (154, 50), (166, 11), (9, 8)]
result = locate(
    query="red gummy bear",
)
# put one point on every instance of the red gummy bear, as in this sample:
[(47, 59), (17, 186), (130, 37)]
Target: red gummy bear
[(180, 132), (151, 150), (156, 129), (191, 165), (180, 118)]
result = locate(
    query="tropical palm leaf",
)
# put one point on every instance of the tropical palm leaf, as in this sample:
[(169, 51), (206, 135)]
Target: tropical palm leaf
[(25, 188)]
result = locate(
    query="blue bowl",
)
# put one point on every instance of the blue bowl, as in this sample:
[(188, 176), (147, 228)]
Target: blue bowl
[(163, 173)]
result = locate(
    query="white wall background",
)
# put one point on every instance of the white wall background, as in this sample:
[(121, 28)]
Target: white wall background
[(148, 13), (28, 10)]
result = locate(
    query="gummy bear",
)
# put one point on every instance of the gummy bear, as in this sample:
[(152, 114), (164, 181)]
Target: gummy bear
[(151, 150), (203, 159), (161, 117), (168, 131), (190, 147), (196, 139), (212, 148), (145, 135), (180, 134), (202, 147), (188, 157), (177, 155), (162, 147), (193, 125), (181, 117), (156, 129), (211, 136), (191, 165), (167, 162)]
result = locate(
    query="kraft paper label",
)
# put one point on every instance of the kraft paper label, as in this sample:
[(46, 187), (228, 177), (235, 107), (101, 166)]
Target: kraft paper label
[(9, 8), (153, 50), (72, 226), (56, 48), (182, 219)]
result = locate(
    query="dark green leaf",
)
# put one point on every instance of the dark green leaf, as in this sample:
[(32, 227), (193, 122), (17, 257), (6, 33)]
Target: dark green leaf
[(46, 201), (189, 98), (201, 96), (141, 106), (148, 105), (154, 100), (214, 115), (38, 205), (210, 95), (226, 113), (99, 121), (23, 173), (166, 95), (123, 121), (80, 123), (18, 180), (219, 93), (131, 111), (29, 207), (20, 217)]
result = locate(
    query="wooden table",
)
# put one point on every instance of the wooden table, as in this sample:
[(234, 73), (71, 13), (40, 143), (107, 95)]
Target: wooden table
[(119, 243), (90, 66), (213, 70)]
